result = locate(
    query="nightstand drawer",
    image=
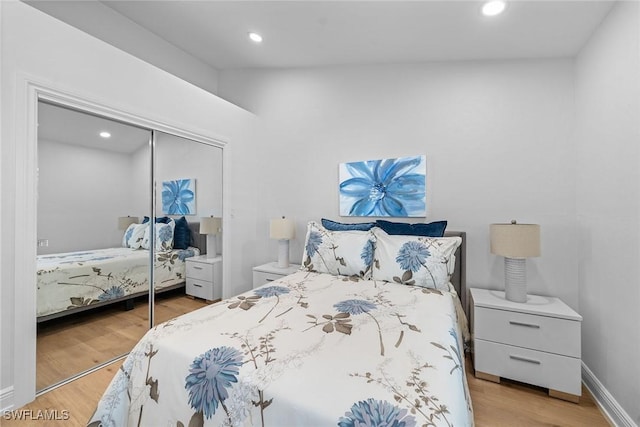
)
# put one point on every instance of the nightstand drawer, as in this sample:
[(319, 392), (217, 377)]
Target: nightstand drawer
[(549, 334), (200, 271), (203, 289), (543, 369), (261, 277)]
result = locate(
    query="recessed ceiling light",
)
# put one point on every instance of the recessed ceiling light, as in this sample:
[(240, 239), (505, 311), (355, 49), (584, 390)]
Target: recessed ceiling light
[(255, 37), (105, 134), (493, 8)]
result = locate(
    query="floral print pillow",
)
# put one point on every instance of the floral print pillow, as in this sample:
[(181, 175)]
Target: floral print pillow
[(127, 235), (137, 235), (415, 260), (164, 236), (340, 253)]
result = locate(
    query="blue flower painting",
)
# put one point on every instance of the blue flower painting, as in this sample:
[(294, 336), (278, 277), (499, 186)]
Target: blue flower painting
[(179, 197), (386, 187)]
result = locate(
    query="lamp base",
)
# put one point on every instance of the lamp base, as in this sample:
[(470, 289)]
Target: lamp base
[(515, 279), (283, 253), (212, 250)]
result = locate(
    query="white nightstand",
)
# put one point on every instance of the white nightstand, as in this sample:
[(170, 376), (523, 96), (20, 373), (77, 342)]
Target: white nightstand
[(204, 277), (270, 271), (537, 342)]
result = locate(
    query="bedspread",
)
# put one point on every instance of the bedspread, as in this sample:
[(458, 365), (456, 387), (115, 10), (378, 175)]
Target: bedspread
[(75, 279), (306, 350)]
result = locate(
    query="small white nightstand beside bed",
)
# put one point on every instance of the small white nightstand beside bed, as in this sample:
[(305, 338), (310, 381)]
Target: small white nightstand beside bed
[(537, 342), (270, 271), (204, 277)]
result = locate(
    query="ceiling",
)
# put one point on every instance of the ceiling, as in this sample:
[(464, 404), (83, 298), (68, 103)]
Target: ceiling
[(73, 127), (307, 33)]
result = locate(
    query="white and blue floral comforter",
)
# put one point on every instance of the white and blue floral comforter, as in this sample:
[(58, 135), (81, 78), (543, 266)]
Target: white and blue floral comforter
[(75, 279), (310, 349)]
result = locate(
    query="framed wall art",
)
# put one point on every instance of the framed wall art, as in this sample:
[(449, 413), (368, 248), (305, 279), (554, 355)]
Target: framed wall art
[(386, 187)]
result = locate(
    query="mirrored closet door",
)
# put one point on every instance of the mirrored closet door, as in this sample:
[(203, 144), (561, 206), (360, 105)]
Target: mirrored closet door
[(188, 183), (100, 181), (93, 179)]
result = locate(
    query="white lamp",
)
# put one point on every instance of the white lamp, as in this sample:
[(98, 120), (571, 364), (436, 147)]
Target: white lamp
[(211, 226), (515, 242), (125, 221), (282, 229)]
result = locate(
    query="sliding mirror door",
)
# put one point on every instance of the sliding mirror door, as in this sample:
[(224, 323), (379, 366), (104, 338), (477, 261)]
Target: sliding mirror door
[(92, 188), (188, 182)]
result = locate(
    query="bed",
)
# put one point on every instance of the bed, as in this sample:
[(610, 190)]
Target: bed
[(370, 331), (77, 281)]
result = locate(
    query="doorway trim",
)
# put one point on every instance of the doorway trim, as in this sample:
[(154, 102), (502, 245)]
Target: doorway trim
[(29, 93)]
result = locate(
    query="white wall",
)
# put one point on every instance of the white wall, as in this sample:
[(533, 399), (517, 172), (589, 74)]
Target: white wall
[(103, 22), (37, 47), (81, 193), (497, 136), (608, 203)]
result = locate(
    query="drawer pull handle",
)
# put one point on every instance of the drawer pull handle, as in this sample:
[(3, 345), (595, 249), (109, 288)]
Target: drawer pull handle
[(528, 325), (269, 280), (524, 359), (197, 268), (197, 286)]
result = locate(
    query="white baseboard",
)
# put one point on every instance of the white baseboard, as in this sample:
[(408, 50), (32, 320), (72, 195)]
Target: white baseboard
[(616, 415), (6, 399)]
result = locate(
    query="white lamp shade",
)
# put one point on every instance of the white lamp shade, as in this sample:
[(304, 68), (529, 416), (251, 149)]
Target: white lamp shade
[(282, 228), (515, 240), (210, 225), (125, 221)]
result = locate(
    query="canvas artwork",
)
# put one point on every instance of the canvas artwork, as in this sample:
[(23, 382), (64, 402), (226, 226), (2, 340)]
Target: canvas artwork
[(179, 197), (385, 187)]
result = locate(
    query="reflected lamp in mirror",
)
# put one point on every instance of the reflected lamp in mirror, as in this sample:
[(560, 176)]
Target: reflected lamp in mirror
[(515, 242), (125, 221), (211, 226), (282, 229)]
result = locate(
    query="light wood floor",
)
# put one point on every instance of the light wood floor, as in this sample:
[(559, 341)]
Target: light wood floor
[(78, 342), (507, 404)]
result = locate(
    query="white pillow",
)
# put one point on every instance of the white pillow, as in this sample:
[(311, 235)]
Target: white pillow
[(127, 235), (415, 260), (342, 253), (135, 240), (164, 236)]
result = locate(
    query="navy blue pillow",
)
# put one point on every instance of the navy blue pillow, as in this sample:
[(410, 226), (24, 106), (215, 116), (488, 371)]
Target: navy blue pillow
[(181, 234), (163, 220), (339, 226), (432, 229)]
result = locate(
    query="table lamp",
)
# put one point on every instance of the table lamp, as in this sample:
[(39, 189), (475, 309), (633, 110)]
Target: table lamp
[(515, 242), (211, 226), (284, 230)]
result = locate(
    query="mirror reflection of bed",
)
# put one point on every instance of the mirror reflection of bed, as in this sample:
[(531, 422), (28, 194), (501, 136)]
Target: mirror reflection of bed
[(93, 271)]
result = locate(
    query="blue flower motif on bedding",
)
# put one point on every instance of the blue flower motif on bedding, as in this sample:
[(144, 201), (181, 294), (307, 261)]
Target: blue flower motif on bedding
[(211, 374), (272, 291), (385, 187), (128, 234), (313, 243), (367, 253), (354, 306), (165, 234), (186, 253), (376, 413), (178, 197), (111, 293), (412, 256)]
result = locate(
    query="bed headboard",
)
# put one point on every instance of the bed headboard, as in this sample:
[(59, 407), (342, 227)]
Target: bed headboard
[(198, 240), (459, 278)]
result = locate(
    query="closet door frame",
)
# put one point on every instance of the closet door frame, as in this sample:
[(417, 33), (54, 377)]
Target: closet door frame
[(30, 92)]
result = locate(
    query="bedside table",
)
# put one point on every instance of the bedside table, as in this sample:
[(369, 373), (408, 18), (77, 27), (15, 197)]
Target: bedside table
[(270, 271), (537, 342), (204, 277)]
